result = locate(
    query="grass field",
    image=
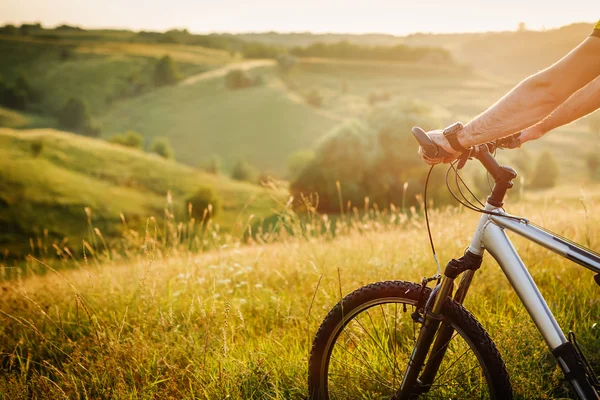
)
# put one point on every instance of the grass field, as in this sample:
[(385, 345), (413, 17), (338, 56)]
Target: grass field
[(50, 191), (262, 124), (98, 72), (239, 323)]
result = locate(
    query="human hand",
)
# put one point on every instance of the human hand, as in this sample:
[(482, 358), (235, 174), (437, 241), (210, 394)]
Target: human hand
[(440, 140), (532, 133)]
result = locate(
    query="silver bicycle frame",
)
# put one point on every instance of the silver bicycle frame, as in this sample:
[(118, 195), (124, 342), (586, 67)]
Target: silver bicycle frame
[(491, 236)]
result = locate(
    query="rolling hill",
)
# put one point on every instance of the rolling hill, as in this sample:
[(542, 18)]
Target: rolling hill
[(51, 190), (100, 73), (262, 124)]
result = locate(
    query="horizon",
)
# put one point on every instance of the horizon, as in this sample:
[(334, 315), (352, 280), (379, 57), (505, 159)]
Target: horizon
[(350, 18)]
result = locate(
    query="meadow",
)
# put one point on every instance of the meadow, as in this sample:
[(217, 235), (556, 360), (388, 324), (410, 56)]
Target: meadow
[(237, 322), (44, 197), (110, 288)]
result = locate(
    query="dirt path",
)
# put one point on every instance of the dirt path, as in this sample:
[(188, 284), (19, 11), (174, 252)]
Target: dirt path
[(215, 73)]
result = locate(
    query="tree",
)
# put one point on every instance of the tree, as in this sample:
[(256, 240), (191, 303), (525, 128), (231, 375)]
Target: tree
[(244, 171), (297, 161), (368, 157), (128, 139), (65, 54), (213, 165), (22, 84), (75, 116), (166, 72), (205, 200), (162, 146), (237, 79), (36, 147), (314, 98), (545, 173), (14, 98)]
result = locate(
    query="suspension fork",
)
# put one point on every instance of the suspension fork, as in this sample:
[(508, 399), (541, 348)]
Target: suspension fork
[(432, 324)]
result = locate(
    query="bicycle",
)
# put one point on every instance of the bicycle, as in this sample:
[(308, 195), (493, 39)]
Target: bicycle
[(358, 347)]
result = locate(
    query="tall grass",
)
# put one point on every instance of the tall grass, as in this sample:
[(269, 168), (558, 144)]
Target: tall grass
[(238, 321)]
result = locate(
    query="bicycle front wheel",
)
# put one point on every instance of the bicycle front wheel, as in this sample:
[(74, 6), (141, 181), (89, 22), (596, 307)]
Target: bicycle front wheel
[(363, 346)]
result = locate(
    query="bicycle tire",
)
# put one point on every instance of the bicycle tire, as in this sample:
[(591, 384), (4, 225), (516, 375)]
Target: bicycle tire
[(406, 293)]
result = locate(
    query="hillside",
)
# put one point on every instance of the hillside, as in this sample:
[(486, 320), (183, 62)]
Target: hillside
[(50, 191), (99, 72), (509, 54), (262, 124), (239, 323)]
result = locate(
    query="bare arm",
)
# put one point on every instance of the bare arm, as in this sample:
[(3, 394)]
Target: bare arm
[(580, 104), (531, 100)]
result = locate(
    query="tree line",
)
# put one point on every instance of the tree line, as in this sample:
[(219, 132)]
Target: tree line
[(248, 49)]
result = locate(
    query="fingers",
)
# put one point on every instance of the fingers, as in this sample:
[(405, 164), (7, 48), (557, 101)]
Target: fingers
[(429, 161)]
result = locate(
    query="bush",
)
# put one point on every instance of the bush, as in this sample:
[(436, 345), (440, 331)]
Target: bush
[(212, 166), (14, 98), (244, 171), (162, 146), (297, 161), (166, 72), (545, 173), (75, 116), (314, 98), (37, 146), (128, 139), (237, 79), (593, 162), (286, 62), (204, 199), (375, 98), (65, 54), (373, 157)]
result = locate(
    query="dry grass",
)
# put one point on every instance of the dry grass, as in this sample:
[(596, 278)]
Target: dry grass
[(235, 322)]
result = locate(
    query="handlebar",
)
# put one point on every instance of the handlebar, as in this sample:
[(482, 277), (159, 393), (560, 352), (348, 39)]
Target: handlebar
[(502, 175)]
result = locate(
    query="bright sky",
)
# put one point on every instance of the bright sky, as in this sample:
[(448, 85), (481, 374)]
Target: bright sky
[(398, 17)]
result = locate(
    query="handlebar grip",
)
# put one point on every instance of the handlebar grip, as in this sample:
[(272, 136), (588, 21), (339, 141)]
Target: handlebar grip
[(430, 149)]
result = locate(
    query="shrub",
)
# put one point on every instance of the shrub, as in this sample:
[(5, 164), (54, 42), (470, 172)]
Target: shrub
[(162, 146), (314, 98), (37, 146), (14, 98), (128, 139), (65, 54), (297, 161), (75, 116), (593, 162), (244, 171), (286, 62), (545, 173), (375, 98), (166, 72), (212, 166), (201, 200), (237, 79), (373, 157)]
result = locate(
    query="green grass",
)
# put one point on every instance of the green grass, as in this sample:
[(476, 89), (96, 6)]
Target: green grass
[(98, 72), (239, 323), (50, 191), (262, 124)]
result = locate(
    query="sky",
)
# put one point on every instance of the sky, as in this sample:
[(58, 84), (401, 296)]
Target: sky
[(399, 17)]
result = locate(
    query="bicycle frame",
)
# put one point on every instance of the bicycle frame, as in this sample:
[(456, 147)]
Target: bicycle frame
[(491, 236)]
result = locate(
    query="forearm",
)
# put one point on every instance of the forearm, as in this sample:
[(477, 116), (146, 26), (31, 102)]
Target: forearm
[(536, 97), (580, 104), (527, 104)]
